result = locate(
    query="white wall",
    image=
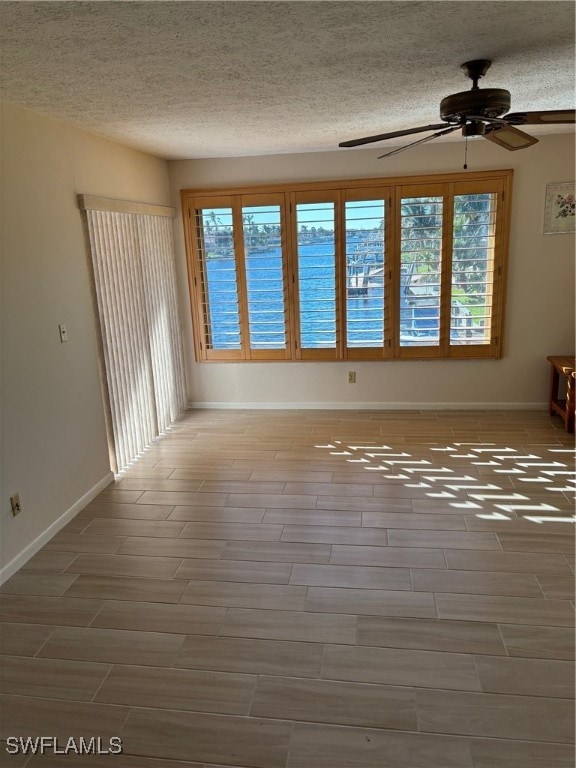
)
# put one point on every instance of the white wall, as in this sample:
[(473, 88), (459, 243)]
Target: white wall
[(540, 304), (53, 440)]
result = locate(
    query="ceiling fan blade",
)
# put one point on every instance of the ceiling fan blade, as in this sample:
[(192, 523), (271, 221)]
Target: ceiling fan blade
[(542, 118), (420, 141), (392, 135), (510, 138)]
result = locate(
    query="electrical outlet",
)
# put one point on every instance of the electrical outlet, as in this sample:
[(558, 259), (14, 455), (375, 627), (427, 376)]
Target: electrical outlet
[(351, 377), (63, 333), (15, 504)]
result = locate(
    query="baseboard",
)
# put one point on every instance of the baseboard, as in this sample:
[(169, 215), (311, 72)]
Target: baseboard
[(347, 406), (23, 557)]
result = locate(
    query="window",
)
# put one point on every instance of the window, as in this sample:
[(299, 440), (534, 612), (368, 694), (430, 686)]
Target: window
[(220, 306), (421, 228), (264, 276), (316, 256), (371, 269), (365, 270)]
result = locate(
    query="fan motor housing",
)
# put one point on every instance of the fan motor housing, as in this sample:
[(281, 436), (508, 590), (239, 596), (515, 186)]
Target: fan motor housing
[(485, 102)]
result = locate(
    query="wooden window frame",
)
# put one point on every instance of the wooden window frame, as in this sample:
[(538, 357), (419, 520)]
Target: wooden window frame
[(388, 189)]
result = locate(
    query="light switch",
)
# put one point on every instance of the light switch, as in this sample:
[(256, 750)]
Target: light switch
[(63, 333)]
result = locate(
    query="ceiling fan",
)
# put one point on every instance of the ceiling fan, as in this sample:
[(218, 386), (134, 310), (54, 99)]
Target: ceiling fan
[(477, 112)]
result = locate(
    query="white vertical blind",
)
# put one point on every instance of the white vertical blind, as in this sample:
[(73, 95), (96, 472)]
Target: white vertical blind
[(135, 288), (159, 279)]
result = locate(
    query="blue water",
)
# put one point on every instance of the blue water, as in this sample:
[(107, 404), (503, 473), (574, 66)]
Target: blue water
[(317, 297), (419, 300)]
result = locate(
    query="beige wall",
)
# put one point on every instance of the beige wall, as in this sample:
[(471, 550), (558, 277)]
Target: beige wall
[(53, 449), (540, 307)]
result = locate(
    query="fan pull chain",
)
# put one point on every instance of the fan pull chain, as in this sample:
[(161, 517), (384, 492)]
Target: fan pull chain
[(466, 153)]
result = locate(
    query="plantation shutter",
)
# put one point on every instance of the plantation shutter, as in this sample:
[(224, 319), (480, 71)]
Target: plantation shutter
[(368, 300), (265, 269), (477, 274), (135, 290), (421, 212), (217, 302), (367, 269), (318, 248)]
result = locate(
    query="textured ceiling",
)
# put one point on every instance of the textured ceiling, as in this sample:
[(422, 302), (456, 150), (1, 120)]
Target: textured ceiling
[(214, 79)]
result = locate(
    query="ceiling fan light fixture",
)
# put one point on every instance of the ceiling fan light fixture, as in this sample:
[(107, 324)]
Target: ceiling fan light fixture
[(473, 128)]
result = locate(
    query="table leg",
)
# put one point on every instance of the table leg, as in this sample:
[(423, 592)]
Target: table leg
[(553, 389), (570, 401)]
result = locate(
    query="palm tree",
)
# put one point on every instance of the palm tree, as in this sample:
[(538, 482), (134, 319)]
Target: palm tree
[(213, 220)]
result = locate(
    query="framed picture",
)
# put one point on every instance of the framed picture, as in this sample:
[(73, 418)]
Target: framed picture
[(559, 213)]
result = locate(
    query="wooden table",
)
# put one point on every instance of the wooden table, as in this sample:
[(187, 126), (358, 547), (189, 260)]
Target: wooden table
[(563, 370)]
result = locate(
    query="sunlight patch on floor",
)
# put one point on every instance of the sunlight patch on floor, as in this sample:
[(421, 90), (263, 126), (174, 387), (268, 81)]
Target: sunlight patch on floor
[(496, 502)]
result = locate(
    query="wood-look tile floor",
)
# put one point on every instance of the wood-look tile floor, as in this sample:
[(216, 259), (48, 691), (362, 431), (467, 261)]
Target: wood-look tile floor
[(310, 589)]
